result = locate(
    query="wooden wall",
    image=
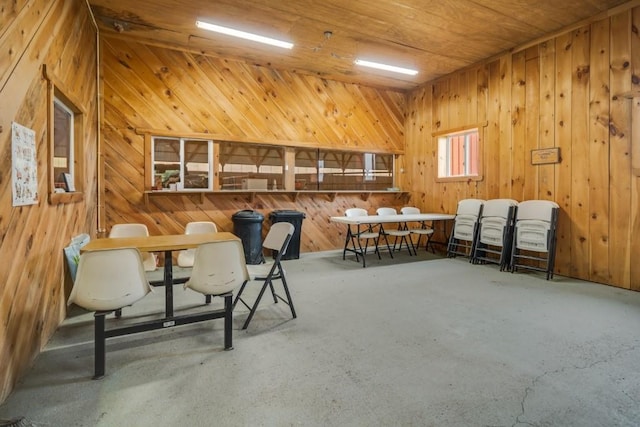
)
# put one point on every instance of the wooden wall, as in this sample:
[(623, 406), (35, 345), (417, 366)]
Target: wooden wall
[(156, 88), (61, 35), (563, 92)]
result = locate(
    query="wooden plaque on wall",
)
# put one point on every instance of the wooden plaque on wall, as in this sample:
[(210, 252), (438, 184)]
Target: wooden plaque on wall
[(545, 156)]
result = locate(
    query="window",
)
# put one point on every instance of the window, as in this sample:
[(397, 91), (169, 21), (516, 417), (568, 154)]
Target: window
[(181, 163), (63, 145), (318, 169), (175, 162), (65, 140), (459, 155), (244, 166)]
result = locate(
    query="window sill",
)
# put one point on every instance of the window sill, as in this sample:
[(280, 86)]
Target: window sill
[(61, 198), (251, 194), (467, 178)]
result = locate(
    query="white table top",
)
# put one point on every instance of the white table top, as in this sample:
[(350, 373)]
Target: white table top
[(378, 219)]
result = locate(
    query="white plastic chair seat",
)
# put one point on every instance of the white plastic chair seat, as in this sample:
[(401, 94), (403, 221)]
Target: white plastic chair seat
[(109, 280), (368, 235), (398, 233), (218, 268), (423, 231), (261, 271)]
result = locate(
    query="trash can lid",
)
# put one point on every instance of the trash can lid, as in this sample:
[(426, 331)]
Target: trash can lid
[(284, 213), (247, 214)]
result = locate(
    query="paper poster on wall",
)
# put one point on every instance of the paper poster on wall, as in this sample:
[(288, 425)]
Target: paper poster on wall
[(24, 173)]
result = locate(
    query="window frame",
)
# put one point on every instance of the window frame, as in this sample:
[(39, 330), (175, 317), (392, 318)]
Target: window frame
[(289, 177), (58, 93), (150, 181), (445, 139)]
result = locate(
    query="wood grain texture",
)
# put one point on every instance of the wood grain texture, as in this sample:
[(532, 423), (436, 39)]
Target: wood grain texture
[(427, 36), (634, 199), (33, 292), (557, 93), (148, 87), (620, 150)]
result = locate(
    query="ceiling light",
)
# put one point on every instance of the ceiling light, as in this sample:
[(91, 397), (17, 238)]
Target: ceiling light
[(243, 35), (386, 67)]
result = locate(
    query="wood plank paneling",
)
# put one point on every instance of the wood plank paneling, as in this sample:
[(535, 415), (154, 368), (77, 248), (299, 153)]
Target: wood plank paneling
[(635, 135), (562, 96), (580, 236), (61, 35), (154, 88), (559, 93), (599, 190), (620, 150)]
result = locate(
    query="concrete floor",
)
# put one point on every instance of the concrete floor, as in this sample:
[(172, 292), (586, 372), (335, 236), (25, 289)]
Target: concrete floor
[(437, 342)]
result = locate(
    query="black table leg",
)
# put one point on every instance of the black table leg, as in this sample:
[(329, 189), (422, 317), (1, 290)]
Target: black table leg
[(100, 345), (168, 283)]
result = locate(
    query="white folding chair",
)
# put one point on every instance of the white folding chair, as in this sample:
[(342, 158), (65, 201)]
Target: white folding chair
[(465, 227), (134, 230), (495, 230), (186, 257), (534, 236), (422, 231), (108, 280), (277, 240), (401, 233), (356, 234)]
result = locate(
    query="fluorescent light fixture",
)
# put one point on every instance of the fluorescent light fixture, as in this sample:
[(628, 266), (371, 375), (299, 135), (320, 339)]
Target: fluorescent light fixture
[(386, 67), (243, 35)]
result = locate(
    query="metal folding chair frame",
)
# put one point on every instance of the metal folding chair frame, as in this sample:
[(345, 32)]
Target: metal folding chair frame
[(275, 273)]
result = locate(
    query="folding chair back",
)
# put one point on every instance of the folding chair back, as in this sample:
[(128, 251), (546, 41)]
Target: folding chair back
[(535, 231), (465, 227), (277, 239), (386, 211), (495, 230)]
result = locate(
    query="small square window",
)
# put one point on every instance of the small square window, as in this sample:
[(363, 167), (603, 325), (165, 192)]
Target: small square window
[(459, 155), (181, 164)]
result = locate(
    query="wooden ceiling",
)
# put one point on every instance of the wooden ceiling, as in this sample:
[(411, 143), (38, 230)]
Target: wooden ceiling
[(436, 37)]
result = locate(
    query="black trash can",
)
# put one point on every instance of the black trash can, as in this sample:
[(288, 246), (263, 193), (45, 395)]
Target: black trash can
[(295, 218), (247, 225)]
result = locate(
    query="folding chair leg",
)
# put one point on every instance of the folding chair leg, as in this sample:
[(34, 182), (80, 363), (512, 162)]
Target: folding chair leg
[(235, 301), (386, 241), (255, 304), (290, 301), (273, 293)]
